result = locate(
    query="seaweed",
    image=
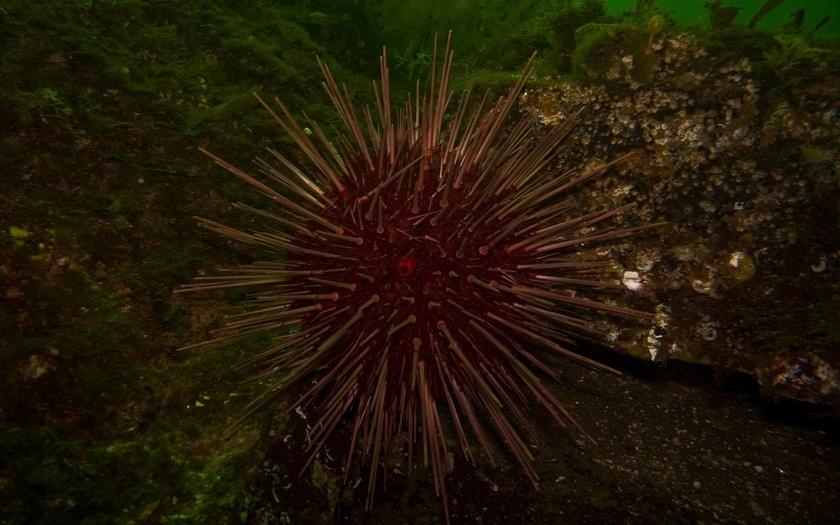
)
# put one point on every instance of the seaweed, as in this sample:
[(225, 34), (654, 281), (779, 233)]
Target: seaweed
[(563, 26), (763, 10), (794, 22), (823, 21), (721, 16), (103, 105), (600, 42), (794, 59)]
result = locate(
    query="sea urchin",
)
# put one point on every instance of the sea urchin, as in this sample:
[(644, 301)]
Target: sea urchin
[(412, 266)]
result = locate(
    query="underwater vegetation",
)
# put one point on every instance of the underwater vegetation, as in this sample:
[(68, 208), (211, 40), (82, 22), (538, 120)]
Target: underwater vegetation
[(421, 250), (724, 15), (727, 407)]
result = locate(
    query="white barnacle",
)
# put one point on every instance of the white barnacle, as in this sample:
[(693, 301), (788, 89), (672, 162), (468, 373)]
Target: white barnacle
[(632, 280)]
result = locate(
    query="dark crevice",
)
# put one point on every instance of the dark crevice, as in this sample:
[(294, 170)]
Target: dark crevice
[(737, 386)]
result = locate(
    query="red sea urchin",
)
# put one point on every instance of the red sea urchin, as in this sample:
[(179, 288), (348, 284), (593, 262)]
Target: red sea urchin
[(409, 266)]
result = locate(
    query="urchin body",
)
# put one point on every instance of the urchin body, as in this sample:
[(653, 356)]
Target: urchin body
[(414, 266)]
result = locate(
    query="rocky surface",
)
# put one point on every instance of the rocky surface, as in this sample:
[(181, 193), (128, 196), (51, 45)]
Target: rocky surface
[(740, 158), (673, 445)]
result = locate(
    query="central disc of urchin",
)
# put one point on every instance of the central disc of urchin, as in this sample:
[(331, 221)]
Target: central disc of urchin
[(413, 266), (423, 268)]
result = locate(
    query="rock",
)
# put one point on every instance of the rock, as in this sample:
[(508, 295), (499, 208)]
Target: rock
[(747, 180)]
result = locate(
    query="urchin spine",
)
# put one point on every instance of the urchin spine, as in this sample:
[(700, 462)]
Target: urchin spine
[(414, 257)]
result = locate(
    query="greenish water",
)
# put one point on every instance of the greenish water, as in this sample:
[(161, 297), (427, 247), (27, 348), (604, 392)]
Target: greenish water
[(693, 12)]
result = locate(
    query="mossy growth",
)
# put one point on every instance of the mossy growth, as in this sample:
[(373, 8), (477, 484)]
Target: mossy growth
[(102, 108), (600, 43), (562, 26), (794, 58)]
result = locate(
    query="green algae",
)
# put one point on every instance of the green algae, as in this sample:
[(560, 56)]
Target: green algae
[(599, 42), (228, 109), (102, 107), (105, 421)]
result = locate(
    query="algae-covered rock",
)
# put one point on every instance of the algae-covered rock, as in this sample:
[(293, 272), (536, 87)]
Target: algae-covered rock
[(598, 44), (228, 109), (739, 158), (17, 232)]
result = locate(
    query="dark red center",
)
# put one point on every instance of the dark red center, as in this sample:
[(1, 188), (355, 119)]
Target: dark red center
[(406, 266)]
